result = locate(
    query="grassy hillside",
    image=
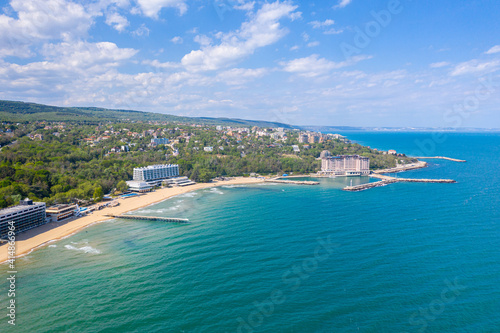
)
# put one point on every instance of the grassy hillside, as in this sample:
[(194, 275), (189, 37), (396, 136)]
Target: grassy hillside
[(13, 111)]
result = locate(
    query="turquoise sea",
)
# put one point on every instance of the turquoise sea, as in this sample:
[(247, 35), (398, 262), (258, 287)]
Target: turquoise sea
[(286, 258)]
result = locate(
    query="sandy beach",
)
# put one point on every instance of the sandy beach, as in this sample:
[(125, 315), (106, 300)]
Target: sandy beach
[(41, 236)]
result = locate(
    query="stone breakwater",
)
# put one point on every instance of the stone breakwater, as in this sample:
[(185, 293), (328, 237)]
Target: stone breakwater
[(385, 180), (367, 186), (412, 180), (442, 158)]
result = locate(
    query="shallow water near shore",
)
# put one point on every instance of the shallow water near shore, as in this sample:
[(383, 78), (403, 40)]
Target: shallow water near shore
[(287, 258)]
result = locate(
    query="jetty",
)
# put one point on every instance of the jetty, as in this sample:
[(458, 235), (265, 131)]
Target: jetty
[(442, 158), (149, 218), (413, 180), (362, 187), (296, 182), (404, 167), (385, 180)]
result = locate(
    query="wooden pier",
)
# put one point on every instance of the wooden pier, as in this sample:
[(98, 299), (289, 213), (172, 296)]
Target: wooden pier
[(150, 218)]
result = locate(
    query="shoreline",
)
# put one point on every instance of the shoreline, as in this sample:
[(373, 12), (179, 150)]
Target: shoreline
[(43, 235)]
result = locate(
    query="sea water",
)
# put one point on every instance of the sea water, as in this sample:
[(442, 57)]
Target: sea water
[(407, 257)]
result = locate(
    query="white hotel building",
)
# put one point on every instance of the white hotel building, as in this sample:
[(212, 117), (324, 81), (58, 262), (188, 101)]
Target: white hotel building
[(146, 177), (344, 165)]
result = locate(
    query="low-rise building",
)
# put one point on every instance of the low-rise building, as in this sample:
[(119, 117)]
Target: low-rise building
[(138, 186), (178, 181), (159, 141), (60, 212)]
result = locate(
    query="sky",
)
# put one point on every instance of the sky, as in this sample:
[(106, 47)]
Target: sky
[(393, 63)]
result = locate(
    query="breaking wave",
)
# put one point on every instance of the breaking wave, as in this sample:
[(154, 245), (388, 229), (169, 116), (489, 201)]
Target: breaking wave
[(85, 249)]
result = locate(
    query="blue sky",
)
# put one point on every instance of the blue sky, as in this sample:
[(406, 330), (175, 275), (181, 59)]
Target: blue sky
[(343, 62)]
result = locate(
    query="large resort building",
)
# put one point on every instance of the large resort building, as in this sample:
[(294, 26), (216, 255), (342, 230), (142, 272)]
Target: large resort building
[(146, 178), (344, 165), (26, 215), (156, 172)]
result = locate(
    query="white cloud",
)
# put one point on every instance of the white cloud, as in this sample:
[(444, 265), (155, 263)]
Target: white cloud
[(314, 66), (248, 6), (494, 49), (238, 76), (313, 44), (141, 31), (177, 40), (475, 66), (152, 8), (87, 56), (294, 48), (305, 36), (439, 64), (202, 40), (261, 30), (166, 65), (40, 20), (65, 71), (117, 21), (295, 16), (333, 31), (342, 4), (318, 24)]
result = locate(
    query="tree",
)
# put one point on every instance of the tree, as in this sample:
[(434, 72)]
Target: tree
[(205, 176), (195, 175), (122, 186), (98, 194)]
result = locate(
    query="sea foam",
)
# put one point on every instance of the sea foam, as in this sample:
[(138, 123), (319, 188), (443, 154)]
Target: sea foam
[(85, 249)]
